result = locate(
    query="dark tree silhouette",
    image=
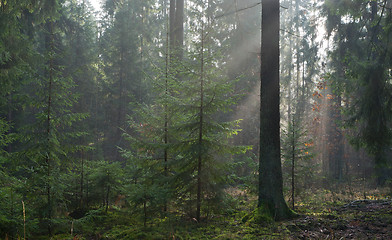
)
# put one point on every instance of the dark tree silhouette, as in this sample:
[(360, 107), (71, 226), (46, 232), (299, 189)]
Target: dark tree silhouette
[(270, 169)]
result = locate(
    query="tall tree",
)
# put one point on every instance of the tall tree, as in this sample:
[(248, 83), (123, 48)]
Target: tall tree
[(123, 69), (270, 169)]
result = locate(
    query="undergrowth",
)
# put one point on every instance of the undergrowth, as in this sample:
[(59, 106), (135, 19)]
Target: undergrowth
[(235, 223)]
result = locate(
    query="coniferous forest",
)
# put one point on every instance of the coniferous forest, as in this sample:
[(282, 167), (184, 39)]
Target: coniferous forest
[(195, 119)]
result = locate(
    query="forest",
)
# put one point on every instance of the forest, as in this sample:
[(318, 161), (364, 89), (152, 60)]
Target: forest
[(195, 119)]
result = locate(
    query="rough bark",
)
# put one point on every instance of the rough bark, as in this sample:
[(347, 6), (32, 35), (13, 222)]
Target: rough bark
[(270, 169)]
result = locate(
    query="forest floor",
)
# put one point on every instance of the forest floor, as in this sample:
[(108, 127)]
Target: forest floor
[(359, 219), (322, 215)]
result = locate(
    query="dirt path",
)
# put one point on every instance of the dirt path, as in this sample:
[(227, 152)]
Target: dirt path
[(362, 219)]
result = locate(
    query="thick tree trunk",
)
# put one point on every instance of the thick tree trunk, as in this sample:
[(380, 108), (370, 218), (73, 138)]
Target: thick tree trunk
[(270, 169)]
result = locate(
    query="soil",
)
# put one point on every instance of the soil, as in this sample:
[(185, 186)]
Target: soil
[(361, 219)]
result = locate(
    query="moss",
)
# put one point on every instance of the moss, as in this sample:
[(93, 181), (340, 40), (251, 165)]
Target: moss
[(258, 216)]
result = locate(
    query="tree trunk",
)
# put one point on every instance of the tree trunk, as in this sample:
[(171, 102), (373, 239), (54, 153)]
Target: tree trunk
[(81, 180), (270, 169), (166, 124), (201, 113), (49, 122), (293, 165), (107, 198), (176, 16), (179, 28), (338, 156), (172, 21), (145, 213)]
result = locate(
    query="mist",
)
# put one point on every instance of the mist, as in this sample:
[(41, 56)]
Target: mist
[(195, 119)]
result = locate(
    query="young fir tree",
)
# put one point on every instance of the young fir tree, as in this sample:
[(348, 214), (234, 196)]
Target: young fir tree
[(105, 182), (50, 136), (205, 139), (297, 157), (16, 66), (9, 222), (180, 149), (150, 157), (80, 60)]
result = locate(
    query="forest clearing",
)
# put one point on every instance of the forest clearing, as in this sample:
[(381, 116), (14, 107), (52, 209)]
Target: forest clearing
[(195, 119)]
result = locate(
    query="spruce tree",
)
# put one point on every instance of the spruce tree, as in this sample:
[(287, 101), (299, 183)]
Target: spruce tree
[(49, 138), (122, 67)]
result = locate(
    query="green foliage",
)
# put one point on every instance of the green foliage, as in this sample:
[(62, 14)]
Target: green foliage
[(363, 59), (121, 47), (129, 168), (297, 149), (167, 147), (105, 179), (244, 171)]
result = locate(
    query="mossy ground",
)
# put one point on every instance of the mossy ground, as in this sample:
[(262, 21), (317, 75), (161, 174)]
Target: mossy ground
[(324, 215)]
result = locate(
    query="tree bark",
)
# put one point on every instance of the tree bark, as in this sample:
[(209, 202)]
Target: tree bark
[(201, 113), (172, 20), (176, 16), (166, 124), (179, 28), (270, 169)]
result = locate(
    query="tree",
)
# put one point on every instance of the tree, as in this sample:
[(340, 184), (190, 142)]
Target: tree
[(122, 67), (364, 53), (182, 147), (16, 68), (46, 130), (270, 169), (297, 156)]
